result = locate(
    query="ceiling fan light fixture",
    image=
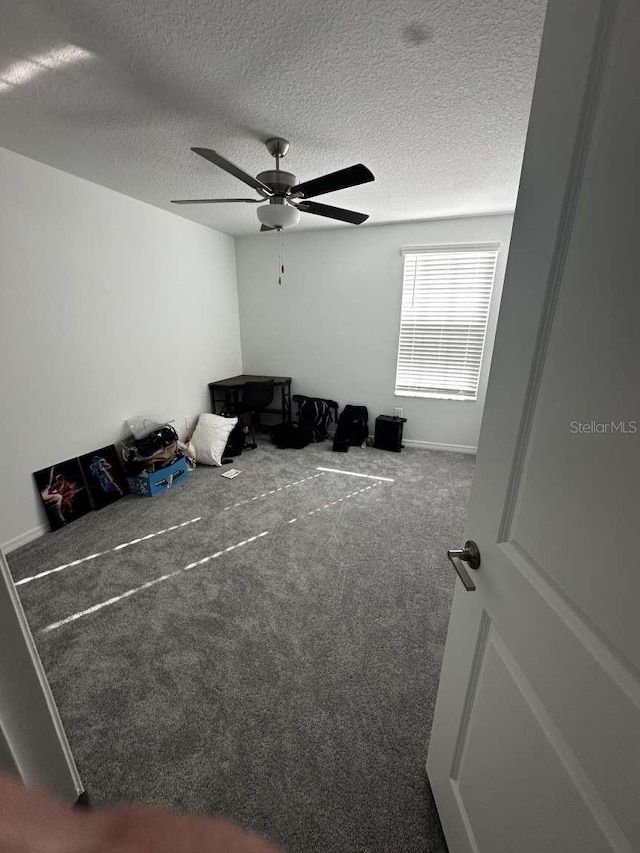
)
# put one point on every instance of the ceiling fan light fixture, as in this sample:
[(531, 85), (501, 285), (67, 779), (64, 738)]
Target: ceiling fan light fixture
[(278, 215)]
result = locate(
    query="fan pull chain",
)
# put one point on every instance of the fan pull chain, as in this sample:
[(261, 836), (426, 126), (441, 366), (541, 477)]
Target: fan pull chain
[(280, 257)]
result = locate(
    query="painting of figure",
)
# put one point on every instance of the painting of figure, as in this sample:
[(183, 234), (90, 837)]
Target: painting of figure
[(104, 475), (63, 493)]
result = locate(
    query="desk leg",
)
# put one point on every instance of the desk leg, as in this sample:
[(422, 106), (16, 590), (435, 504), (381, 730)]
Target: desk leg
[(286, 402), (230, 396)]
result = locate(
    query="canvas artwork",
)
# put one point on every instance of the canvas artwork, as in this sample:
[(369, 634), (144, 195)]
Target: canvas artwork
[(63, 492), (104, 475)]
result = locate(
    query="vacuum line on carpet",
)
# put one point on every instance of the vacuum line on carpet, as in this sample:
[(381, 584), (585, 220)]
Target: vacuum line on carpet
[(272, 492), (193, 565), (338, 500), (356, 474), (116, 598), (108, 551)]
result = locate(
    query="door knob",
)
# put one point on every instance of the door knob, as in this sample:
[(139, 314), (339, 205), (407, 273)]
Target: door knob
[(470, 555)]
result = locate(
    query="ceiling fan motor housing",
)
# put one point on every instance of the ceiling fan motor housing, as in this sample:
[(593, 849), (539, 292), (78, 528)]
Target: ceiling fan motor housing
[(279, 182)]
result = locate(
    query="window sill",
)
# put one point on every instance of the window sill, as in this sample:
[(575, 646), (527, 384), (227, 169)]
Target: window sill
[(428, 395)]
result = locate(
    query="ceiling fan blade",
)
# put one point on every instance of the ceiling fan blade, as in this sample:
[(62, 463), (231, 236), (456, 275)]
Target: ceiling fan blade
[(340, 180), (232, 169), (333, 212), (266, 228), (215, 200)]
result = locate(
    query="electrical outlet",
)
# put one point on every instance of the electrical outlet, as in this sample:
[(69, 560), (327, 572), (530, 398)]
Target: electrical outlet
[(397, 413)]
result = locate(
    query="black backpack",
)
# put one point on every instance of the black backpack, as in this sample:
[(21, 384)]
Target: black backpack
[(236, 440), (316, 413), (353, 428), (293, 435)]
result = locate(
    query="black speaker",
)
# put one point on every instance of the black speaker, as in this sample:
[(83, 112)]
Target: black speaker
[(388, 434)]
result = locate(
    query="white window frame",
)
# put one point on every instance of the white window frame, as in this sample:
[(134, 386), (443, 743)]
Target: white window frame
[(404, 336)]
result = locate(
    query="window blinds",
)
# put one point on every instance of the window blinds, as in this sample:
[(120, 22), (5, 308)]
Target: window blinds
[(446, 294)]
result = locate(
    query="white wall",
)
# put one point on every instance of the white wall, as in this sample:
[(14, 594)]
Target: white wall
[(110, 308), (334, 323)]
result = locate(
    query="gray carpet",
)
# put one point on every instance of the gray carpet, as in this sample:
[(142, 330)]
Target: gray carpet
[(289, 682)]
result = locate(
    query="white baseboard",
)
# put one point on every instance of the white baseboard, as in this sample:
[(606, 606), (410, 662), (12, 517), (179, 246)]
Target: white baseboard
[(432, 445), (24, 538)]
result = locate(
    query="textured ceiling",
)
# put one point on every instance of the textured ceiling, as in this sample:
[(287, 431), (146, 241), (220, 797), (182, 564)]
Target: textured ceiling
[(432, 95)]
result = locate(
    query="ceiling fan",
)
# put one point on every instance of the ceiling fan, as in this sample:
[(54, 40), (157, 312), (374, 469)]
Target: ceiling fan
[(282, 197)]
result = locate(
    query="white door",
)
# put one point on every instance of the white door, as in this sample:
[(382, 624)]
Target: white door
[(536, 737), (33, 743)]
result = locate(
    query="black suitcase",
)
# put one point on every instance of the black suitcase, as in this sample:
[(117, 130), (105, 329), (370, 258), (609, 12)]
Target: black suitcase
[(388, 434)]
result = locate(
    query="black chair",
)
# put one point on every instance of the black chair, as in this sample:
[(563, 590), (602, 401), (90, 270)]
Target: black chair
[(256, 396)]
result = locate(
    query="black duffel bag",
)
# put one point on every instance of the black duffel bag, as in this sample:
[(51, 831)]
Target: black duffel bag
[(316, 413), (293, 435)]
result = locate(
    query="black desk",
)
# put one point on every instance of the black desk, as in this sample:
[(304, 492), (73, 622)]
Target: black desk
[(226, 392)]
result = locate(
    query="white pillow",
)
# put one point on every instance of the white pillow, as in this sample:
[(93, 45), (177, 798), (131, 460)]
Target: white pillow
[(210, 438)]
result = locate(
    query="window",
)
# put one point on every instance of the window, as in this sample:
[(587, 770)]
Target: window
[(446, 294)]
